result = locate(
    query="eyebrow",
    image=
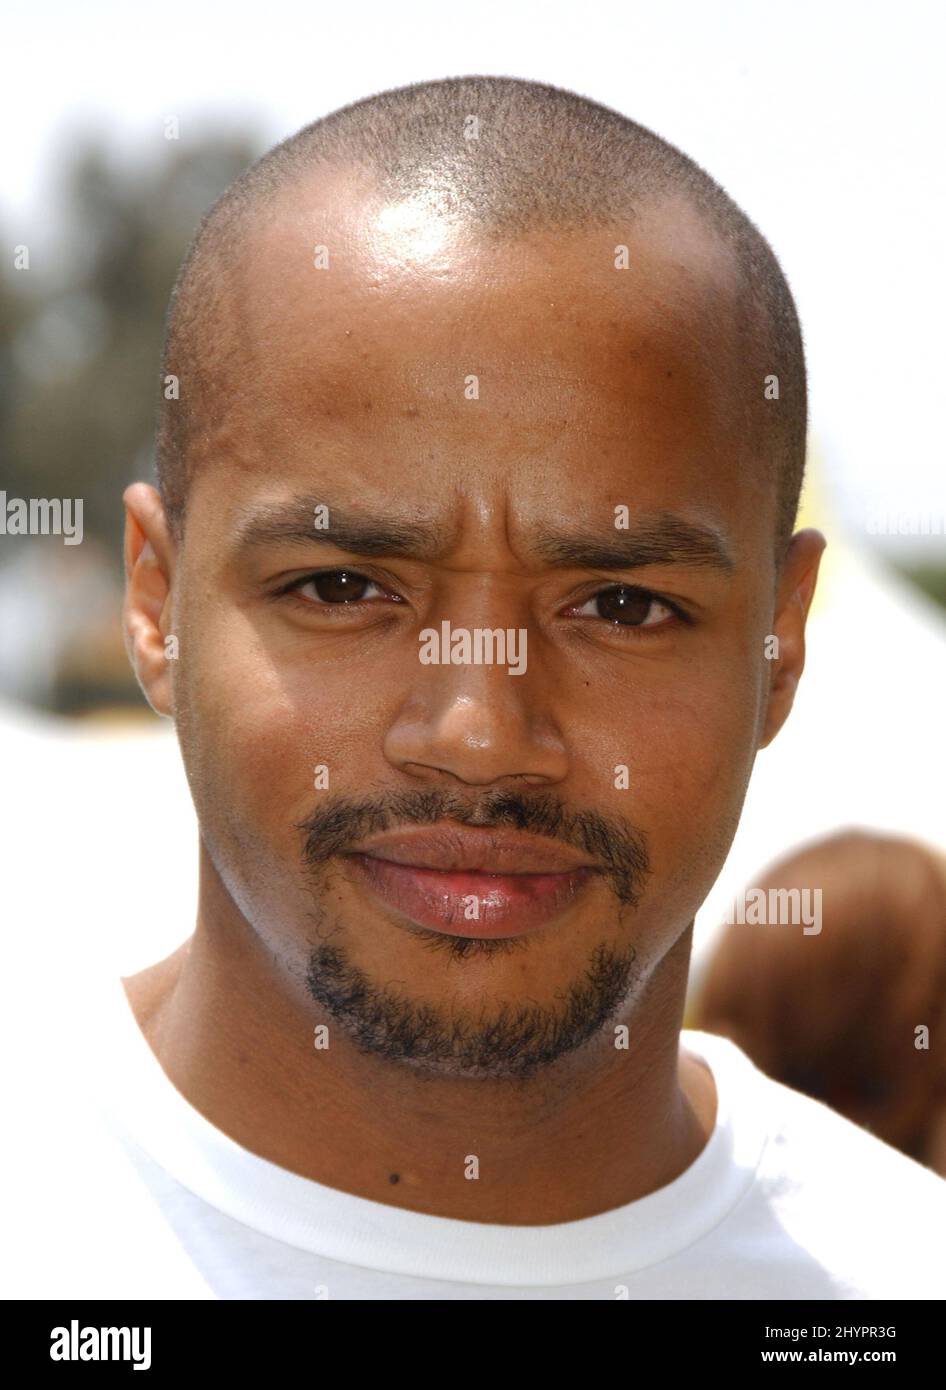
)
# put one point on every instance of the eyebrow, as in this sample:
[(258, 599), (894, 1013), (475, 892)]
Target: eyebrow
[(663, 539), (657, 539), (294, 524)]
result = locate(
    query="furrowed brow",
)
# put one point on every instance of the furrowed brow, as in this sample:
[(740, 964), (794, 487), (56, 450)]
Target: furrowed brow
[(662, 540)]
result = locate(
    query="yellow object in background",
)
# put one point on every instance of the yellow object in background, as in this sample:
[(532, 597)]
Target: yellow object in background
[(816, 510)]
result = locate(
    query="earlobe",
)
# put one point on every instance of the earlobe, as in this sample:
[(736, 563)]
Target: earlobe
[(149, 558)]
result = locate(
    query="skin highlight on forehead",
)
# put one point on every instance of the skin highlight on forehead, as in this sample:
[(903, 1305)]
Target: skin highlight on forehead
[(679, 281)]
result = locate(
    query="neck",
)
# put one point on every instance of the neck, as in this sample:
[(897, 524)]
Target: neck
[(593, 1131)]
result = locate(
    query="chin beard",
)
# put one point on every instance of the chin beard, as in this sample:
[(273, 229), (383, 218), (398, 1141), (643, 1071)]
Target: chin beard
[(514, 1043)]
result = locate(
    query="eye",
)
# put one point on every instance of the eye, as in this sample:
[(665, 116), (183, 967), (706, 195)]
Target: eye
[(331, 588), (629, 607)]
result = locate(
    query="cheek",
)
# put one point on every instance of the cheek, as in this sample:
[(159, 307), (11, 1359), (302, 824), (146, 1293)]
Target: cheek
[(700, 756), (683, 741), (266, 739), (689, 755), (696, 794)]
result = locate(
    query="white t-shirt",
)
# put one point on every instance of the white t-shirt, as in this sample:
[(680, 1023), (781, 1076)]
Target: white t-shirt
[(116, 1187)]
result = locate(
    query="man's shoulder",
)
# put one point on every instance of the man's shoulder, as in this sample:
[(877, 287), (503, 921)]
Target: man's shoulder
[(837, 1191), (830, 1205), (821, 1146)]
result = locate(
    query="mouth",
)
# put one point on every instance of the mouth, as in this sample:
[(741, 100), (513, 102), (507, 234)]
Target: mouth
[(461, 881)]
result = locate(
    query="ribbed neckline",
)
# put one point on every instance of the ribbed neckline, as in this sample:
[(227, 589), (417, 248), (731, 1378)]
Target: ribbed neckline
[(141, 1101)]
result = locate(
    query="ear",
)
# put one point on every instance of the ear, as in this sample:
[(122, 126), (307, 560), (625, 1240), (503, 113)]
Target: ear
[(795, 591), (146, 614)]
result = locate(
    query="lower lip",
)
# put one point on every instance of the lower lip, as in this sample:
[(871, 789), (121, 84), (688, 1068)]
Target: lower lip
[(506, 904)]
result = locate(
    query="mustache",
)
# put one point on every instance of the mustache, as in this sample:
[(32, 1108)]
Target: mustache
[(619, 848)]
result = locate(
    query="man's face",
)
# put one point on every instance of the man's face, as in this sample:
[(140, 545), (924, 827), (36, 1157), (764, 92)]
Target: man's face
[(488, 399)]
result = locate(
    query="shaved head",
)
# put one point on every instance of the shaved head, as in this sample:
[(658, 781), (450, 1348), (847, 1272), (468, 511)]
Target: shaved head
[(500, 162)]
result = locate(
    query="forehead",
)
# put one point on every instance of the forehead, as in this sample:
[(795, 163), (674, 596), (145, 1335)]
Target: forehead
[(370, 329), (328, 290)]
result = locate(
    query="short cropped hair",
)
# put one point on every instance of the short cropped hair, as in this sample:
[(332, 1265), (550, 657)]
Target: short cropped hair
[(544, 159)]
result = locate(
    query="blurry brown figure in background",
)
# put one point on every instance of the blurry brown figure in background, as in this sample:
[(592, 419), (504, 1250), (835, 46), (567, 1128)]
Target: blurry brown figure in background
[(835, 1014)]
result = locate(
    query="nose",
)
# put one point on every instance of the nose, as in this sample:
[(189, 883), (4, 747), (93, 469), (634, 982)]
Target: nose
[(478, 724)]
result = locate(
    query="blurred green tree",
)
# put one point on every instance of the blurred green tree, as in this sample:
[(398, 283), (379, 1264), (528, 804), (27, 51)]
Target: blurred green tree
[(80, 343), (81, 333)]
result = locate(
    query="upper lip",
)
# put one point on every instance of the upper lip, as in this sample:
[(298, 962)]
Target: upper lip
[(468, 848)]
